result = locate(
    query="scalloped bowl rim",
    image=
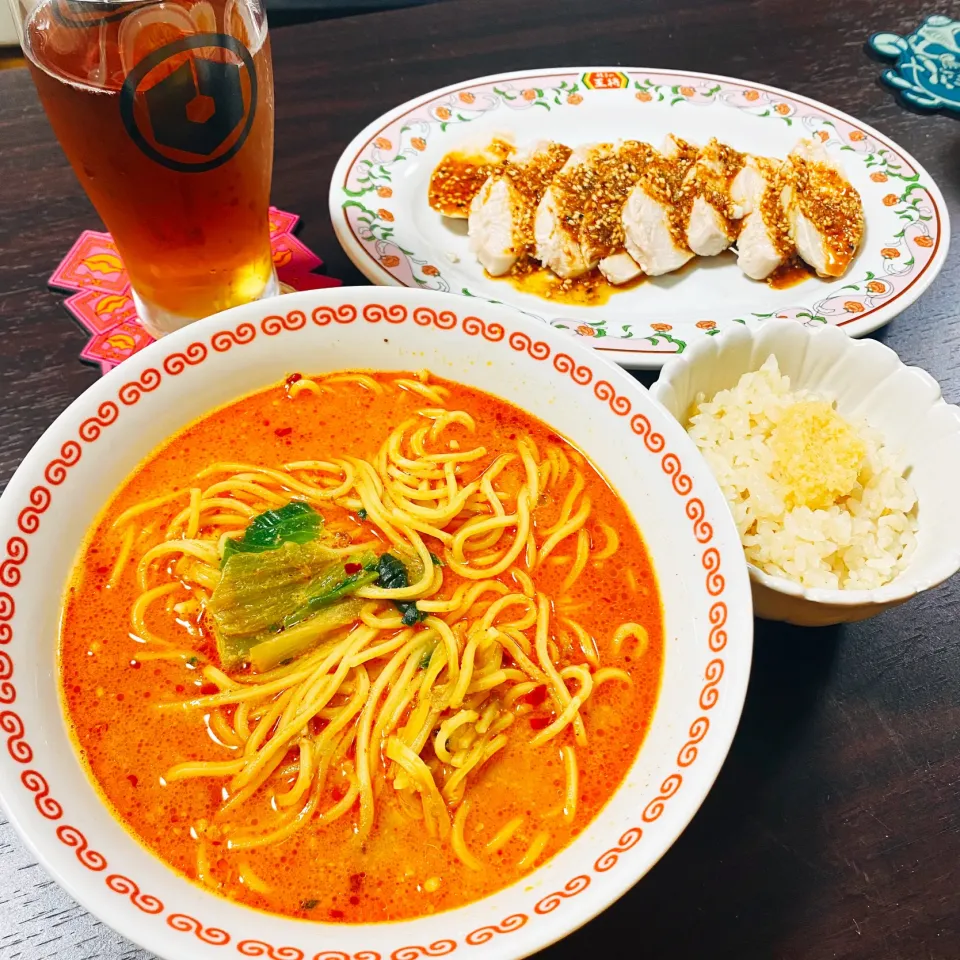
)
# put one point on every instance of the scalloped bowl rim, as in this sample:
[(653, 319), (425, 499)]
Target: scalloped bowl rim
[(902, 587)]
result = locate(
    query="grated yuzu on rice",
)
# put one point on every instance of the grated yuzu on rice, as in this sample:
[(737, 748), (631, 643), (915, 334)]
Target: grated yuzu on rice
[(816, 499)]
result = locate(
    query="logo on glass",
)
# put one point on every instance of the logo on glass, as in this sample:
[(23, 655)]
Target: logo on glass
[(190, 104)]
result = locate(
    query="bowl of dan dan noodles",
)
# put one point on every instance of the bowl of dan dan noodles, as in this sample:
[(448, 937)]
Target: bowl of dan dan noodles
[(837, 461), (364, 623)]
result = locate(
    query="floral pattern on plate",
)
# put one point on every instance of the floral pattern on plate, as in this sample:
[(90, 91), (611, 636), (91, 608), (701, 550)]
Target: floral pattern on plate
[(378, 202)]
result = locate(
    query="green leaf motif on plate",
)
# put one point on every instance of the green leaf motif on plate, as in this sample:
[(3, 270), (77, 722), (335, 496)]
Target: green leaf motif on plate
[(907, 204)]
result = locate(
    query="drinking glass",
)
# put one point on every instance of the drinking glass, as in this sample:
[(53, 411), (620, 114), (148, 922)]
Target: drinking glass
[(164, 109)]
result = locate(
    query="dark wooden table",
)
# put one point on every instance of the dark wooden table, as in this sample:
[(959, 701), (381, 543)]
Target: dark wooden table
[(834, 828)]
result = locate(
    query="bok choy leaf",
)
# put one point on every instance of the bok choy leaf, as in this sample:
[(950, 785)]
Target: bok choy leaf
[(279, 576), (257, 591), (295, 522), (337, 581), (273, 651)]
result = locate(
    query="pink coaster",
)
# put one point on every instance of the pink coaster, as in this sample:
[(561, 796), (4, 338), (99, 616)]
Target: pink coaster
[(101, 301)]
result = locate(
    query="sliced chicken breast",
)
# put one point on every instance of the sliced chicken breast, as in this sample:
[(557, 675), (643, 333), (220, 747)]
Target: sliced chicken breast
[(619, 268), (629, 209), (617, 174), (459, 176), (653, 220), (746, 186), (764, 242), (711, 224), (602, 235), (823, 210), (560, 214), (493, 212), (708, 231), (500, 225)]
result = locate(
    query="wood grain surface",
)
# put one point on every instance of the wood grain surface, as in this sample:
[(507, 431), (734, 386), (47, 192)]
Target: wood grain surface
[(833, 831)]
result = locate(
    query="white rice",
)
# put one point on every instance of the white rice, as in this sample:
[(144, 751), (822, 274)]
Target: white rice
[(861, 542)]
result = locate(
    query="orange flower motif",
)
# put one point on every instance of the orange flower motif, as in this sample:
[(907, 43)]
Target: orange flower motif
[(586, 331), (529, 94), (431, 271), (706, 324), (688, 92), (889, 253), (661, 327), (390, 261), (443, 113), (385, 215), (574, 99), (823, 135), (891, 200), (384, 192), (382, 143), (418, 143), (852, 306), (878, 177), (876, 286), (751, 95), (858, 135), (924, 241), (467, 97), (782, 109), (643, 96)]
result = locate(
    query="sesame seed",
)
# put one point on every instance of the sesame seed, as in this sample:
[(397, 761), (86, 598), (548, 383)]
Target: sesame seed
[(459, 177), (615, 174), (831, 204), (529, 181)]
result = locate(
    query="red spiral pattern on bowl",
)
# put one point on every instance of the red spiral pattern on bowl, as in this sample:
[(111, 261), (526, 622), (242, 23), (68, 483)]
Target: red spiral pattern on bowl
[(57, 471)]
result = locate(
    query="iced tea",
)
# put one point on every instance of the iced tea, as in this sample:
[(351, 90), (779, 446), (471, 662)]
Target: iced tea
[(165, 111)]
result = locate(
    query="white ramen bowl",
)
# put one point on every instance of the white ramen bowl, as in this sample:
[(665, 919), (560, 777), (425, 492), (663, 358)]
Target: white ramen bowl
[(81, 460), (869, 382)]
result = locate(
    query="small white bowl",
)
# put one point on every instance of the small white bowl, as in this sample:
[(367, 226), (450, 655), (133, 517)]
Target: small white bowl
[(868, 382)]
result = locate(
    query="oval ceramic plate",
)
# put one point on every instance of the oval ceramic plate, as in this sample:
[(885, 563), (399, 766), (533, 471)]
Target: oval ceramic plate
[(76, 466), (378, 201)]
